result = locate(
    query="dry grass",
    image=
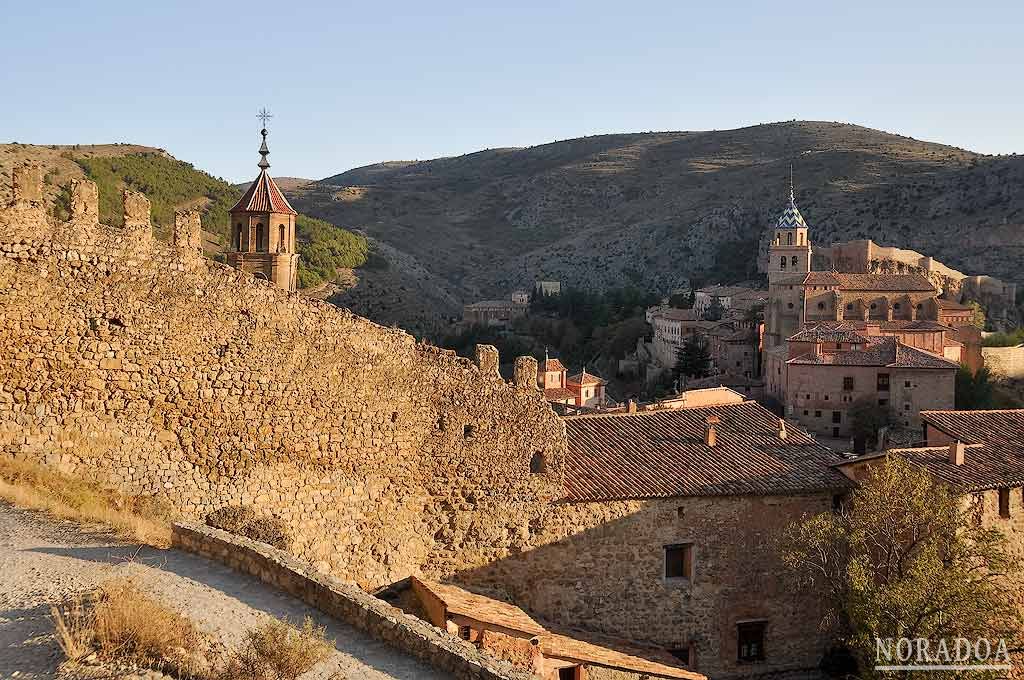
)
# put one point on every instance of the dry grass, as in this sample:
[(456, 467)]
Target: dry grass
[(278, 651), (120, 624), (139, 518), (244, 521)]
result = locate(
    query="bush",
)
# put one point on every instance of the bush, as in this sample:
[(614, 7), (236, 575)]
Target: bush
[(277, 651), (121, 624), (244, 521)]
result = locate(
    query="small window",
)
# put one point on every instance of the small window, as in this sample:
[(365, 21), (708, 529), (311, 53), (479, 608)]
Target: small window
[(750, 641), (848, 383), (1004, 503), (883, 382), (837, 416), (883, 402), (919, 306), (849, 306), (537, 464), (825, 397), (837, 503), (782, 263), (465, 632), (874, 306), (468, 431), (679, 561), (821, 305), (896, 306), (806, 412), (906, 383), (906, 407), (789, 305), (682, 654), (817, 414), (394, 416)]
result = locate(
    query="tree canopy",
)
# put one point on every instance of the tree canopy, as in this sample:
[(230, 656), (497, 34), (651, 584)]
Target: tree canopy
[(693, 359), (904, 557)]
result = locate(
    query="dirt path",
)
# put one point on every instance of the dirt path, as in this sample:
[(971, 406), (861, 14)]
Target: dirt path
[(43, 562)]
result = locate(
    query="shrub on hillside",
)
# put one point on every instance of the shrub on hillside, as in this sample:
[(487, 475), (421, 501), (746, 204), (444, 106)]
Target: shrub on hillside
[(278, 651), (120, 624), (244, 521)]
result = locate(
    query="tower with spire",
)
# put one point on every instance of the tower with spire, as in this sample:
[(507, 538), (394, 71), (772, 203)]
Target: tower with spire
[(263, 228), (790, 248)]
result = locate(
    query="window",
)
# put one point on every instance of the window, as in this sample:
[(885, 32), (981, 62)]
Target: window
[(789, 305), (750, 641), (874, 306), (896, 306), (849, 306), (906, 407), (919, 306), (789, 239), (468, 431), (537, 464), (883, 402), (821, 305), (793, 261), (259, 236), (837, 416), (825, 397), (782, 262), (679, 561), (465, 632), (238, 236), (883, 382), (1004, 503), (837, 502), (806, 412), (906, 383), (683, 654), (848, 383), (282, 246)]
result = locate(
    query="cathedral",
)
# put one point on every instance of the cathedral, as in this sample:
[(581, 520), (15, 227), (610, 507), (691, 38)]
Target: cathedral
[(263, 230)]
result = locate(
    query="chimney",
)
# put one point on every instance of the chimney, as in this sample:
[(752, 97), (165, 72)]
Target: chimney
[(710, 433), (631, 406), (956, 453), (782, 429)]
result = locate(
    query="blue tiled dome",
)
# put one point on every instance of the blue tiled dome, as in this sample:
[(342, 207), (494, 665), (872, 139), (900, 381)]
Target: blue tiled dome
[(791, 218)]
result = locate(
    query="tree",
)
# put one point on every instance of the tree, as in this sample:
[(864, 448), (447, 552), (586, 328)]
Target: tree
[(904, 558), (693, 359), (974, 391), (978, 320), (715, 310), (867, 417)]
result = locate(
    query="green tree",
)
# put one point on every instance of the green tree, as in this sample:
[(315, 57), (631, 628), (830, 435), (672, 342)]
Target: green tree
[(715, 310), (693, 359), (905, 558), (867, 417), (978, 319), (974, 391)]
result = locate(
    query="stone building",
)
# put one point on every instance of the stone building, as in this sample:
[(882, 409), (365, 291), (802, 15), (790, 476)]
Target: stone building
[(263, 230), (552, 380), (587, 389), (672, 328), (729, 297), (507, 632), (494, 312), (824, 369), (665, 537)]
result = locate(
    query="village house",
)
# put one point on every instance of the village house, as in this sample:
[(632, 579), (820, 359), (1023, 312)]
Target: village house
[(495, 312), (668, 519), (582, 389), (672, 328), (728, 297), (507, 632), (823, 370), (587, 389)]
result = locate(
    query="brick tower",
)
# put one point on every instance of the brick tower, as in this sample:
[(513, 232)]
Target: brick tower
[(790, 249), (263, 230)]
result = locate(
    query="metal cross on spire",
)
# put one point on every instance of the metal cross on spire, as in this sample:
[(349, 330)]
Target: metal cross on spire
[(264, 116), (792, 196)]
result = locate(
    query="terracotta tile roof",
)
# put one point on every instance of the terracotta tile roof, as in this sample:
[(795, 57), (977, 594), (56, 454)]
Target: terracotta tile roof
[(883, 351), (674, 314), (870, 282), (951, 305), (828, 332), (584, 378), (847, 331), (625, 657), (480, 608), (722, 380), (660, 454), (998, 461), (264, 196), (558, 394), (553, 365)]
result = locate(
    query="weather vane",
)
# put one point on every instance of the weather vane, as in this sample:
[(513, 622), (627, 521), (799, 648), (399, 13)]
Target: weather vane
[(264, 116)]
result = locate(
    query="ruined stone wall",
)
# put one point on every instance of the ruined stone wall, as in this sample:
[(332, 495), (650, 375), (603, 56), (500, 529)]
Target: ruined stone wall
[(146, 367), (601, 566)]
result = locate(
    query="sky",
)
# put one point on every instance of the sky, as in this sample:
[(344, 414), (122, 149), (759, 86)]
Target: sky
[(354, 83)]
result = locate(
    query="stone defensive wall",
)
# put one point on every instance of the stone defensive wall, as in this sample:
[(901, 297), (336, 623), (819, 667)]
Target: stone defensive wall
[(360, 610), (152, 369)]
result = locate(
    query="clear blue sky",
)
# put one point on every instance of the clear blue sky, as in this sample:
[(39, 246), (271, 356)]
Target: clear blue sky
[(356, 83)]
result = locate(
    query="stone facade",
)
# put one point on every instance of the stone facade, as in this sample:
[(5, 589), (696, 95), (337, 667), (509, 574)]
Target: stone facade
[(139, 364), (601, 565)]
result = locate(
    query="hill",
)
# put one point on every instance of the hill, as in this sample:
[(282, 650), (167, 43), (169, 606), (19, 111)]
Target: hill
[(327, 250), (657, 209)]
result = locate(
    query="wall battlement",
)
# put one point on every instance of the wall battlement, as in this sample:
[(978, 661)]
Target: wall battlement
[(157, 371)]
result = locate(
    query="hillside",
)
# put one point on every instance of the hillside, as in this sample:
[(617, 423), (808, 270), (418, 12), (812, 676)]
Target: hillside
[(171, 185), (654, 209)]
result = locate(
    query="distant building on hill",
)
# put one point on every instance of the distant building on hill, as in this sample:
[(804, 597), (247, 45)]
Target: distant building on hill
[(729, 297), (493, 312), (545, 288), (582, 389)]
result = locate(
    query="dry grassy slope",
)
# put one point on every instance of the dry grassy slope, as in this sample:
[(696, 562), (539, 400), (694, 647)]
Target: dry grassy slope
[(656, 208)]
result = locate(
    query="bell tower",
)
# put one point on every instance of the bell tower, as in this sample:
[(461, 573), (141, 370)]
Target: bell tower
[(790, 249), (263, 228)]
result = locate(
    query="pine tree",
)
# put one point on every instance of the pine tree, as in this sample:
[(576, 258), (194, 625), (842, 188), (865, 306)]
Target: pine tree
[(693, 359)]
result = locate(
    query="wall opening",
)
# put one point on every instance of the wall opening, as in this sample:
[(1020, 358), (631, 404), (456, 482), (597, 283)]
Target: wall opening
[(468, 431), (538, 464)]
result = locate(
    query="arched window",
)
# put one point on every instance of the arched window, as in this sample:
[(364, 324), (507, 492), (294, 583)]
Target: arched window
[(238, 236), (282, 245), (260, 237), (537, 464), (782, 262), (789, 238), (794, 261), (821, 305)]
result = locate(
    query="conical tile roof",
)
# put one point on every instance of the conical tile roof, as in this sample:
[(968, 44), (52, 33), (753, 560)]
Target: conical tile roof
[(264, 196)]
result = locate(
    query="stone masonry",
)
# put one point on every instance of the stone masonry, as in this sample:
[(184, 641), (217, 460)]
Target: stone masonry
[(148, 368)]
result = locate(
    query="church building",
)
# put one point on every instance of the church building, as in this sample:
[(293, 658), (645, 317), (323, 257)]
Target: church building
[(263, 230)]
